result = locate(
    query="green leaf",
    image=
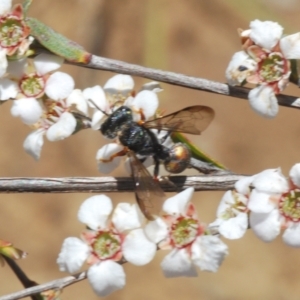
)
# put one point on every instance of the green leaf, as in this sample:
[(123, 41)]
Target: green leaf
[(196, 152), (57, 43)]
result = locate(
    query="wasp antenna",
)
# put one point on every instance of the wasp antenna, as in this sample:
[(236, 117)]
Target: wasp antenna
[(91, 101)]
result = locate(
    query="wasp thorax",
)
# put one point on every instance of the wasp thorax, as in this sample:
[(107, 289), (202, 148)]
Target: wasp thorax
[(179, 160)]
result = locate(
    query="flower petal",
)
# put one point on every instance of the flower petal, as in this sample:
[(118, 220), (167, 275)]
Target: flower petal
[(291, 235), (59, 86), (33, 143), (76, 97), (153, 86), (270, 181), (178, 263), (97, 95), (28, 109), (261, 202), (5, 6), (265, 226), (106, 277), (105, 153), (8, 89), (147, 102), (97, 119), (177, 204), (263, 101), (226, 202), (240, 67), (45, 63), (3, 61), (295, 174), (208, 252), (63, 128), (72, 255), (290, 46), (265, 34), (243, 185), (234, 228), (156, 230), (126, 217), (137, 249), (119, 84), (94, 211), (16, 68)]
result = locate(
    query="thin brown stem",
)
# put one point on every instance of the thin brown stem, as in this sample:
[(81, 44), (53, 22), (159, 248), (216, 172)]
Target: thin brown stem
[(52, 285), (217, 182), (102, 63)]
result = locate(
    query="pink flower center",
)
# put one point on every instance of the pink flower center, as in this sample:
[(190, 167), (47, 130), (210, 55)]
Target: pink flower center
[(11, 32), (184, 231), (289, 205), (106, 245), (32, 85), (273, 67)]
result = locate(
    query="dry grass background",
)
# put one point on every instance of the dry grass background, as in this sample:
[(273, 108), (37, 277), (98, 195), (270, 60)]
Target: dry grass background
[(195, 37)]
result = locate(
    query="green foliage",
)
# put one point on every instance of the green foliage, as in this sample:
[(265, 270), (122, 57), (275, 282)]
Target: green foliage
[(196, 152), (57, 43)]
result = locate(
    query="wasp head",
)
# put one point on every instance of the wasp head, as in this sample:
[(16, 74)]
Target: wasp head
[(112, 125)]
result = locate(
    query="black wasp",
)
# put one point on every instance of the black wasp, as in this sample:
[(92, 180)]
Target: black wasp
[(138, 139)]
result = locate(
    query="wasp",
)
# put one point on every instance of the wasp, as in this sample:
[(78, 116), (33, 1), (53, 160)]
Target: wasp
[(138, 139)]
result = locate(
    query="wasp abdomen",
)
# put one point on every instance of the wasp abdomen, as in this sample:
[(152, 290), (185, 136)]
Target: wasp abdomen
[(179, 158)]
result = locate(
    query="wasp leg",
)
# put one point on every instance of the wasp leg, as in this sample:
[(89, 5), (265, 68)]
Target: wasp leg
[(166, 180), (120, 153), (142, 116), (156, 169)]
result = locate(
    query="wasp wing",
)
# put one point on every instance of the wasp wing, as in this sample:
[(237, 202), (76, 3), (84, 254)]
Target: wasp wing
[(148, 192), (192, 119)]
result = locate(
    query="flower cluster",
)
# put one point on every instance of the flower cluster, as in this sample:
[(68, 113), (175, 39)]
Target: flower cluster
[(267, 202), (46, 100), (14, 34), (109, 242), (264, 61)]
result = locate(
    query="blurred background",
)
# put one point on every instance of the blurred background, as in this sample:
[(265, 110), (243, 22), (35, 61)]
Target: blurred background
[(193, 37)]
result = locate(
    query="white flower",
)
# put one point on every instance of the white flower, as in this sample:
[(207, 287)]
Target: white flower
[(180, 230), (265, 63), (14, 32), (52, 117), (106, 243), (232, 217), (274, 206)]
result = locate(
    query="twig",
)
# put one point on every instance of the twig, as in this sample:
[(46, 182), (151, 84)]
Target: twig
[(101, 63), (52, 285), (218, 182)]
